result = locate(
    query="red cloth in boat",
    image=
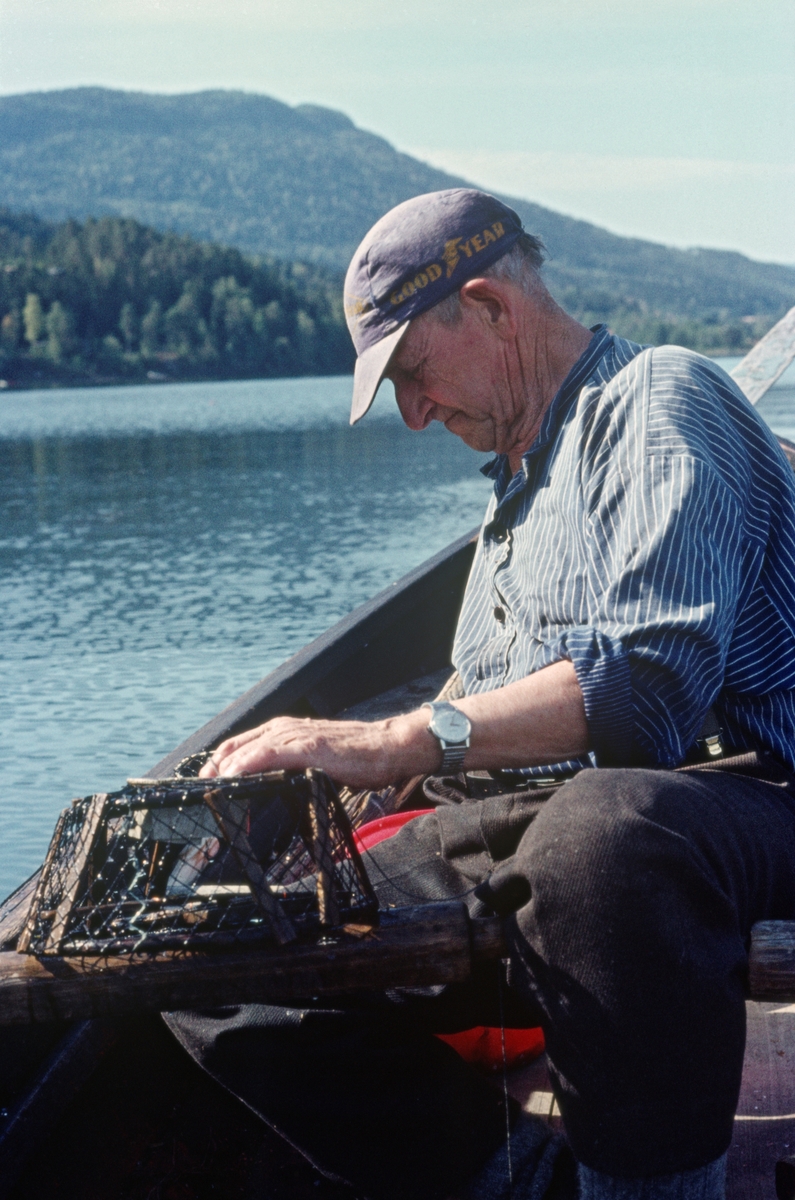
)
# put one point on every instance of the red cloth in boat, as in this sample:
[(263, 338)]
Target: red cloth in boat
[(483, 1045)]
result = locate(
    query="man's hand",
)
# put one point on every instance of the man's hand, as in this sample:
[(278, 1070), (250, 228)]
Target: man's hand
[(536, 720), (359, 753)]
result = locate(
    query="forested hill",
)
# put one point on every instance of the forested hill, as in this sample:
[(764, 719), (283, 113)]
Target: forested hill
[(111, 300), (305, 184)]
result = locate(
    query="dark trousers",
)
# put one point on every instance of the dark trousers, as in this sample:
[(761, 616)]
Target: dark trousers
[(628, 898)]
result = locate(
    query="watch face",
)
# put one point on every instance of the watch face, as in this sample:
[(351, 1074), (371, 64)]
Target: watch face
[(450, 725)]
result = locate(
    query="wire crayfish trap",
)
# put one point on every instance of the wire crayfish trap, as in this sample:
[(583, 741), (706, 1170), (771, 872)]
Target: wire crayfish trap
[(189, 863)]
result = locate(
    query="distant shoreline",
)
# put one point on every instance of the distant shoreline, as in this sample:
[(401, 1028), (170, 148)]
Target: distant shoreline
[(76, 381), (52, 381)]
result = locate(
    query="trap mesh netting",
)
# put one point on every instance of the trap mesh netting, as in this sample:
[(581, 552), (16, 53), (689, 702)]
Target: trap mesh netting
[(199, 863)]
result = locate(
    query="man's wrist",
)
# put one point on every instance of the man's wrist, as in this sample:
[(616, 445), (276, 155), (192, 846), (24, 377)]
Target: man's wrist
[(412, 743)]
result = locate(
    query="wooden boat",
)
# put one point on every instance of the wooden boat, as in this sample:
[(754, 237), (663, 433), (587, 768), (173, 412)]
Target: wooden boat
[(107, 1109), (389, 655)]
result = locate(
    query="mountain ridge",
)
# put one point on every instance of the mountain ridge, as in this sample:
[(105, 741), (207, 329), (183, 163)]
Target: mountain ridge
[(305, 183)]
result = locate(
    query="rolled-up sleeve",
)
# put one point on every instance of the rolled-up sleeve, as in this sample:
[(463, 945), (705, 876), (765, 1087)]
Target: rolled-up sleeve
[(666, 563)]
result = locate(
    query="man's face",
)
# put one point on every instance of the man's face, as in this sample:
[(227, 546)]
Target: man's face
[(462, 375)]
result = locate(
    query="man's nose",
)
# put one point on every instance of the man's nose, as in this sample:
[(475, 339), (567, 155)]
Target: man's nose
[(416, 408)]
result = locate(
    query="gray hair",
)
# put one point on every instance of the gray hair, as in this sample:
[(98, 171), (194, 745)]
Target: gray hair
[(521, 266)]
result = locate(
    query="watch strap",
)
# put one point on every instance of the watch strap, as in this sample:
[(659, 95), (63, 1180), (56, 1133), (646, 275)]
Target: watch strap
[(453, 758)]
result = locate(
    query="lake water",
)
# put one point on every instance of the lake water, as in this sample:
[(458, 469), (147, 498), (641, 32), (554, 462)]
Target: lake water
[(164, 547)]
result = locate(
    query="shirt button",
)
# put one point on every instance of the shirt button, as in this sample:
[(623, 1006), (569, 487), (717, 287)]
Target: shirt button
[(499, 614)]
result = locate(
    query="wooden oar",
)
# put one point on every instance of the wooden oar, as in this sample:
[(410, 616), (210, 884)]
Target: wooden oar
[(430, 944), (771, 965), (768, 360)]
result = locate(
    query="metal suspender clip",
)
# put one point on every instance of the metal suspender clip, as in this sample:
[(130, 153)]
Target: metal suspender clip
[(709, 738)]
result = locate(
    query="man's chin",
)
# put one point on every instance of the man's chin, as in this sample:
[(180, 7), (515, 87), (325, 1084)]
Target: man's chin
[(475, 436)]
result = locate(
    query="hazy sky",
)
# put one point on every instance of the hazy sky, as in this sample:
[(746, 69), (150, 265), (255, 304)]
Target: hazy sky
[(667, 119)]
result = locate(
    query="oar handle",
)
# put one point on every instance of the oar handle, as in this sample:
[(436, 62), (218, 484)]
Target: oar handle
[(769, 359)]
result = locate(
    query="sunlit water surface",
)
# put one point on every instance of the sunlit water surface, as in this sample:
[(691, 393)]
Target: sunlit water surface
[(164, 547)]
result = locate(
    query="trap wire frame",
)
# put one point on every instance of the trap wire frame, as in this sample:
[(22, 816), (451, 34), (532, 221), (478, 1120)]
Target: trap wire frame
[(188, 863)]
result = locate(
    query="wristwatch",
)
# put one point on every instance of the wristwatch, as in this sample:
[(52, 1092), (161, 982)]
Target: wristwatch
[(451, 729)]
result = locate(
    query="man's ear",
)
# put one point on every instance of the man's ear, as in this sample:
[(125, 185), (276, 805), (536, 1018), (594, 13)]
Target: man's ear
[(493, 302)]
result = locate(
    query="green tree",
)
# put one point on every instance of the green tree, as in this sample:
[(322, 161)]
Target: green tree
[(233, 321), (60, 331), (111, 350), (128, 325), (186, 329), (33, 318), (152, 329), (306, 339), (10, 329)]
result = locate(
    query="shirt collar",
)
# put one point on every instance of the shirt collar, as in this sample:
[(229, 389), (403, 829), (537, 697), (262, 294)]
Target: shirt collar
[(498, 468)]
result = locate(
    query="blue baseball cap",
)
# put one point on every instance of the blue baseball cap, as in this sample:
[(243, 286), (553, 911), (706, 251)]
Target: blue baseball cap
[(415, 256)]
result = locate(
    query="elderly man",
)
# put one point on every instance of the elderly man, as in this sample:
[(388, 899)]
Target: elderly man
[(634, 571)]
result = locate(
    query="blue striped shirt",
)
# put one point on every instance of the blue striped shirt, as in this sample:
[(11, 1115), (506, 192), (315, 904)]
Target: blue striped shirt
[(649, 537)]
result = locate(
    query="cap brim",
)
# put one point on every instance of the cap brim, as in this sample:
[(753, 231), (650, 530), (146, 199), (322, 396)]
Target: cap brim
[(369, 371)]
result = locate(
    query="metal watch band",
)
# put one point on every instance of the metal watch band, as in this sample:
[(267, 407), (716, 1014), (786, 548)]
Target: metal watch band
[(453, 758)]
